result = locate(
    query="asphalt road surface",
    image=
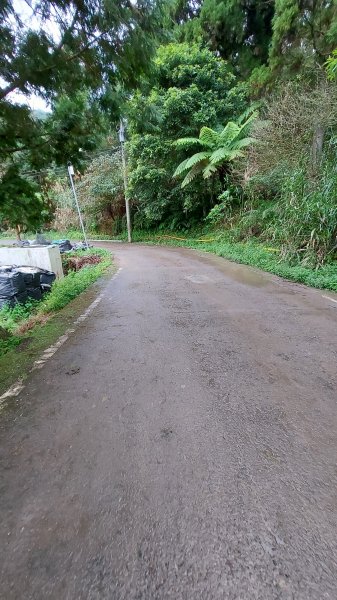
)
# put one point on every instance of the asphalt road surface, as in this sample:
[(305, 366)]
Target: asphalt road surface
[(180, 445)]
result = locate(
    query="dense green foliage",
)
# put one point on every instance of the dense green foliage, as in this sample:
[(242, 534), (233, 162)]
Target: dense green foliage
[(75, 56), (66, 289), (194, 88), (55, 48), (22, 206), (216, 58), (331, 66), (240, 30), (219, 149)]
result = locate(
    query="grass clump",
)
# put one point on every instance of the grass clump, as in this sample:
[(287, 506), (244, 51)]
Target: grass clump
[(65, 290), (10, 317)]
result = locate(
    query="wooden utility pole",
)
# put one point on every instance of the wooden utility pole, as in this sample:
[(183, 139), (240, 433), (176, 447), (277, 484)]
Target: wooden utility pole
[(127, 203)]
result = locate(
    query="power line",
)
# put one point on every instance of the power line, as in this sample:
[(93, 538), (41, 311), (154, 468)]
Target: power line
[(63, 170)]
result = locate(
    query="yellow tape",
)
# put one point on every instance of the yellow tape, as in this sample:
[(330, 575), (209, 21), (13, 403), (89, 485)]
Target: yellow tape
[(171, 237)]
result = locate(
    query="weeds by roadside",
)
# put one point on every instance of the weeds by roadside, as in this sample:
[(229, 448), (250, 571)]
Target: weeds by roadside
[(252, 252), (65, 290), (17, 321)]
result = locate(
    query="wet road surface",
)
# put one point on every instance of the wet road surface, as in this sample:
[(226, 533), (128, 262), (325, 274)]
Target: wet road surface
[(182, 444)]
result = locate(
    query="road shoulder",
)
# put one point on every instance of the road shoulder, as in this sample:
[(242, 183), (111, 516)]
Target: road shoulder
[(16, 364)]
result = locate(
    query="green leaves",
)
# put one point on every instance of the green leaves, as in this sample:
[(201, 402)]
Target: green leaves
[(191, 88), (183, 142), (191, 162), (221, 148), (21, 205), (224, 155), (331, 66), (55, 50)]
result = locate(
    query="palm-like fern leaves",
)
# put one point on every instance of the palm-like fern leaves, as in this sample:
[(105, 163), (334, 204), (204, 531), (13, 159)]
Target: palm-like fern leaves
[(219, 148)]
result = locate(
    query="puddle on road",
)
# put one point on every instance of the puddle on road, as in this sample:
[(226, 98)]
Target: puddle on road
[(238, 273), (245, 275), (199, 279)]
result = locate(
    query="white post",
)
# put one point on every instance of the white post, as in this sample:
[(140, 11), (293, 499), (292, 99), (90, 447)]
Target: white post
[(71, 173)]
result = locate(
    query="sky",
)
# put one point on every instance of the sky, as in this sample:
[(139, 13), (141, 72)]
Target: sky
[(23, 8)]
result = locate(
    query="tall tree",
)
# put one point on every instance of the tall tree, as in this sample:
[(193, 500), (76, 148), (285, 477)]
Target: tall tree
[(304, 34), (58, 48), (240, 30), (184, 10)]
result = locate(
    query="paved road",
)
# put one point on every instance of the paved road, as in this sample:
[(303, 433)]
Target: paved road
[(181, 445)]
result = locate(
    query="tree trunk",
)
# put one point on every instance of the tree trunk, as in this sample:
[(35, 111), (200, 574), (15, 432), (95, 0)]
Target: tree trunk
[(18, 232)]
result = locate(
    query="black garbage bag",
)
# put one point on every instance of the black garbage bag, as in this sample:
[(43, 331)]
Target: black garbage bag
[(35, 293), (47, 277), (6, 268), (11, 284), (64, 245), (21, 298), (45, 288), (31, 276)]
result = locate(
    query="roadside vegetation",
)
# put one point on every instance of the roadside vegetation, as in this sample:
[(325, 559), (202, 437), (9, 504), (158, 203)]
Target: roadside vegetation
[(251, 252), (16, 322), (231, 118)]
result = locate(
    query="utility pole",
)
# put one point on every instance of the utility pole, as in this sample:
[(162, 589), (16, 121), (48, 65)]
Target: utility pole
[(71, 174), (121, 134)]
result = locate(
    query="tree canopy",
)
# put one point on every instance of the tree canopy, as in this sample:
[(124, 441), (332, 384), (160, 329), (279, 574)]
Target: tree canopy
[(58, 48)]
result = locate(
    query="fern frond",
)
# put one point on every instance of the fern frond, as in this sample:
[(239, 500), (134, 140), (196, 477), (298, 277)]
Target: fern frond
[(192, 174), (209, 137), (209, 171), (229, 133), (246, 126), (252, 109), (188, 141), (181, 168), (223, 155), (247, 141), (197, 158)]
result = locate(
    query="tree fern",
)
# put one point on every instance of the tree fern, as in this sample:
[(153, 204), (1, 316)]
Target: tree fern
[(181, 168), (220, 148), (252, 110), (224, 155), (244, 143), (229, 133), (209, 170)]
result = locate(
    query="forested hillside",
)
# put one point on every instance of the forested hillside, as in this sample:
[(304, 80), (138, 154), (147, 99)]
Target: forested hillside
[(231, 113)]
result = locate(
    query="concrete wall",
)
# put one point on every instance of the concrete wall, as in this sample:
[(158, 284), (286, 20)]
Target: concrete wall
[(45, 257)]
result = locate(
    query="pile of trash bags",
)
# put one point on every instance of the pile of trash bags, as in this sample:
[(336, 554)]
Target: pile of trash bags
[(64, 245), (17, 284)]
